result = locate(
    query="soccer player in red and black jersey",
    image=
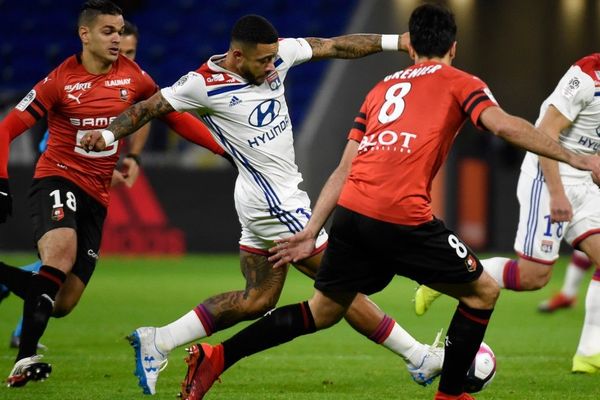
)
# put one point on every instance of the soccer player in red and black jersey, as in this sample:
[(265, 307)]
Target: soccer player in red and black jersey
[(70, 191), (383, 225)]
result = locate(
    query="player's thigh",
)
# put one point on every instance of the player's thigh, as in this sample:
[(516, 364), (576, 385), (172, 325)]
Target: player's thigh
[(262, 280), (591, 246), (481, 293), (431, 253), (89, 236), (328, 308), (261, 227), (350, 264), (537, 239), (53, 209), (309, 266), (68, 296)]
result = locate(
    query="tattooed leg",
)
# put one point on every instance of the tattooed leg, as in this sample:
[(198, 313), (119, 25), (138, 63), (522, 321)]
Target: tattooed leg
[(263, 288)]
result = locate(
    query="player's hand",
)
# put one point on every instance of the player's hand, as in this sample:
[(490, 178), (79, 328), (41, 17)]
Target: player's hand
[(92, 141), (404, 42), (118, 178), (586, 163), (131, 170), (560, 208), (292, 249), (5, 200)]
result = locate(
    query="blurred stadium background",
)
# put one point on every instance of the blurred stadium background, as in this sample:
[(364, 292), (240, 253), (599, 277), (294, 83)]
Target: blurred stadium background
[(520, 48)]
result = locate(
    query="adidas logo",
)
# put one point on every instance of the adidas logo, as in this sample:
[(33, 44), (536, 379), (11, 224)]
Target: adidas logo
[(234, 101)]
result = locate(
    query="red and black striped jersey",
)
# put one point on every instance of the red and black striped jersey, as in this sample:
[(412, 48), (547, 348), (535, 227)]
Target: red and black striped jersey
[(405, 128)]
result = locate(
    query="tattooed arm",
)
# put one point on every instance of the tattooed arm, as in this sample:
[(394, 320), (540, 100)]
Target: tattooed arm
[(351, 46), (127, 122)]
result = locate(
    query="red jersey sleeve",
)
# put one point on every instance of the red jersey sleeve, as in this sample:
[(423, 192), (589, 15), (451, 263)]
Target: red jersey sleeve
[(193, 130), (31, 108), (146, 87), (474, 97), (359, 128)]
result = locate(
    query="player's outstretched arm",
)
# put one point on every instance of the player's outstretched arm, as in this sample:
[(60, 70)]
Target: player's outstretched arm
[(552, 124), (356, 45), (521, 133), (127, 122), (302, 244)]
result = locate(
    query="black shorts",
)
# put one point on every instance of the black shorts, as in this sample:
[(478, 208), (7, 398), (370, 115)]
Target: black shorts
[(364, 254), (58, 203)]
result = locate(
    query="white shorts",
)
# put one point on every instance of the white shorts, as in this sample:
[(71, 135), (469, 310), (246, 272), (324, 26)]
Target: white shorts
[(539, 240), (261, 226)]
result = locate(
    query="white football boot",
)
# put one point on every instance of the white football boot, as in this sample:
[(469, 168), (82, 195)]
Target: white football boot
[(149, 361)]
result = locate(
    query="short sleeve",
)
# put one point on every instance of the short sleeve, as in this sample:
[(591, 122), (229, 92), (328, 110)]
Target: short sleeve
[(474, 97), (39, 100), (188, 93), (573, 93), (147, 86), (294, 51), (359, 128)]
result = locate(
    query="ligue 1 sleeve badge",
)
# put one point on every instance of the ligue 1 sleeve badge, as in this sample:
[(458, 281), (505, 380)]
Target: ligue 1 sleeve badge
[(57, 214)]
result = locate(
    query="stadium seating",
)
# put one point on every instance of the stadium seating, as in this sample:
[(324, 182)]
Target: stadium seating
[(176, 36)]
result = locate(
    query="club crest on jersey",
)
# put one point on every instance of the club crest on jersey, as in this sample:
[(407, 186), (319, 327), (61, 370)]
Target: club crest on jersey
[(273, 80), (471, 263), (123, 94), (57, 214), (546, 246)]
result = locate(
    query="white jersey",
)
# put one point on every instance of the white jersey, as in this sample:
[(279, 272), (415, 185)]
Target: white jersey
[(251, 122), (577, 97)]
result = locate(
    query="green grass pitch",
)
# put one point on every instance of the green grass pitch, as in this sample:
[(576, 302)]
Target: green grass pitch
[(92, 360)]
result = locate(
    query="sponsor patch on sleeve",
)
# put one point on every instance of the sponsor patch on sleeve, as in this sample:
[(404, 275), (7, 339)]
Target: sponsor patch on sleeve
[(29, 97), (571, 88)]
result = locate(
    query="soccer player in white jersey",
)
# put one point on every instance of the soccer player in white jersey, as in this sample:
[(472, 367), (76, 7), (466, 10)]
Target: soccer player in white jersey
[(240, 98), (558, 202)]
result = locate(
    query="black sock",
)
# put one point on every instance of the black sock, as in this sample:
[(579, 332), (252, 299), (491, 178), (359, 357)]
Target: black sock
[(37, 308), (276, 327), (465, 334), (15, 279)]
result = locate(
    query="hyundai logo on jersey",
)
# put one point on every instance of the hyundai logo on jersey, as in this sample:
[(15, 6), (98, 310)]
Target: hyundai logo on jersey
[(264, 113)]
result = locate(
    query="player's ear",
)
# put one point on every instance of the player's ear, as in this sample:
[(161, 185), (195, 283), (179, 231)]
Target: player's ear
[(453, 50), (84, 33), (411, 51)]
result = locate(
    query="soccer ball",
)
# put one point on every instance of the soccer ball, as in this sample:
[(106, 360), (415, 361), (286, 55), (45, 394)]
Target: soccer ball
[(482, 371)]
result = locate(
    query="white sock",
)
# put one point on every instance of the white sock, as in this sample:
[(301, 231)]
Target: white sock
[(589, 342), (401, 342), (574, 275), (179, 332), (495, 268)]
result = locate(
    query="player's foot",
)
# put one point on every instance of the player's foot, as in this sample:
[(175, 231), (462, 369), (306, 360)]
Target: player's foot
[(586, 364), (443, 396), (556, 302), (28, 369), (431, 364), (15, 341), (149, 361), (424, 297), (205, 364)]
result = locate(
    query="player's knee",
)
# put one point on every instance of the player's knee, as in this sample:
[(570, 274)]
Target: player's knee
[(62, 309), (534, 276), (259, 306)]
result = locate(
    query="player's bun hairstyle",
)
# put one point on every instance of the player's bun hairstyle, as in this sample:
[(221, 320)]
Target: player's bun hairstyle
[(253, 29), (432, 30), (131, 29), (92, 8)]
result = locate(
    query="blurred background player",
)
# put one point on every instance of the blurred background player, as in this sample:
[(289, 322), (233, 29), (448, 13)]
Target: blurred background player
[(579, 265), (383, 223), (557, 202), (240, 97), (70, 191), (128, 47)]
